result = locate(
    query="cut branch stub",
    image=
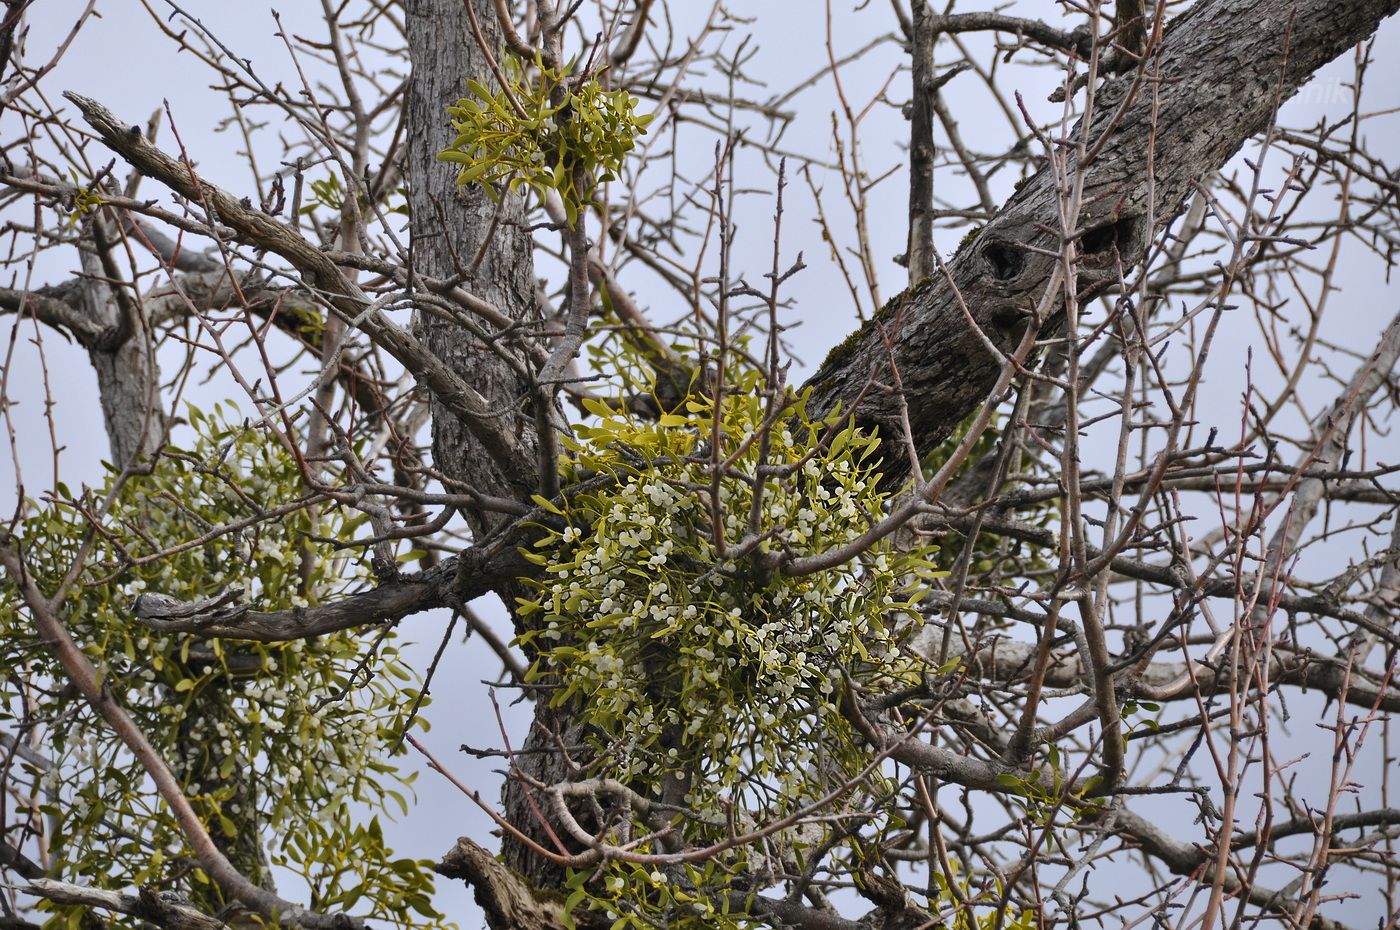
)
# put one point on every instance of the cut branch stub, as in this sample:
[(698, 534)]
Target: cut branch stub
[(507, 900)]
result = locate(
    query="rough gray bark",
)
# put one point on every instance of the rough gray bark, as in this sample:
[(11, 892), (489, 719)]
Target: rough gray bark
[(919, 252), (448, 231), (457, 231), (122, 356), (127, 377), (1224, 66)]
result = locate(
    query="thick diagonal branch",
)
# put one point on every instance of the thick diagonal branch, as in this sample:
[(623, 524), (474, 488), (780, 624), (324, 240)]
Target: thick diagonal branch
[(1220, 70)]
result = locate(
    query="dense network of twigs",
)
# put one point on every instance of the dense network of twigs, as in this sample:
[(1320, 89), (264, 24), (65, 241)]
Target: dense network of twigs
[(1063, 592)]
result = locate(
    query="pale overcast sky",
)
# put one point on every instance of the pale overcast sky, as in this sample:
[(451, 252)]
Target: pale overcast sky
[(124, 62)]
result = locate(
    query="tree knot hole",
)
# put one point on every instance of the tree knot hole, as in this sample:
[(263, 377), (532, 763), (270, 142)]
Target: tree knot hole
[(1105, 239), (1005, 260), (1010, 322)]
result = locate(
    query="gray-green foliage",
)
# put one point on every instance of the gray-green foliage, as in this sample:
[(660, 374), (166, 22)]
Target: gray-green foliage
[(690, 661), (640, 612), (293, 722), (569, 127)]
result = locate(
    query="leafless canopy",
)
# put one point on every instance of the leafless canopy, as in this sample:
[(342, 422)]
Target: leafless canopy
[(1133, 377)]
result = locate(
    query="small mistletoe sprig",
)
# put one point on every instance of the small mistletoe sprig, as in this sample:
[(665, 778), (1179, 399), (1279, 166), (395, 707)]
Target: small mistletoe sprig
[(543, 132)]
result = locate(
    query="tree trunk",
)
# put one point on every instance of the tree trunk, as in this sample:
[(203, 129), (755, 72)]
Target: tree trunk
[(124, 360), (919, 250), (449, 228), (463, 232)]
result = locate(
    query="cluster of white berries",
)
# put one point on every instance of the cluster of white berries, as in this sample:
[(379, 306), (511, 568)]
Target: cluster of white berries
[(685, 658)]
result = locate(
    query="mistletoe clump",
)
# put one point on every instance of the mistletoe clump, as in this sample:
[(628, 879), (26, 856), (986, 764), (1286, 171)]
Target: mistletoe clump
[(289, 736), (665, 618), (543, 130)]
